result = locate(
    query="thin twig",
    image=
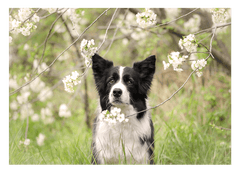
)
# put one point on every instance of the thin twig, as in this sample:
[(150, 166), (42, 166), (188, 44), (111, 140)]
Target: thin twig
[(212, 39), (43, 17), (75, 94), (115, 34), (170, 96), (107, 29), (59, 54), (55, 30), (175, 19), (27, 18), (210, 29), (210, 54), (46, 40)]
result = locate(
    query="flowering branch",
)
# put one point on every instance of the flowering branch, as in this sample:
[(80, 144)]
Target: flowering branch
[(210, 29), (115, 33), (27, 19), (44, 17), (170, 96), (108, 28), (176, 18), (45, 42), (210, 54), (27, 83)]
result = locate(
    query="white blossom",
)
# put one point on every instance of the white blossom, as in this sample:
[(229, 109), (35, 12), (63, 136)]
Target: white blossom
[(199, 73), (113, 117), (40, 139), (37, 85), (198, 64), (10, 23), (172, 12), (25, 142), (35, 18), (26, 110), (189, 43), (10, 39), (146, 18), (193, 24), (50, 10), (76, 19), (125, 41), (15, 116), (165, 65), (219, 15), (14, 105), (88, 50), (15, 24), (23, 14), (175, 59), (63, 111), (140, 35), (23, 98), (47, 115), (26, 47), (70, 81), (35, 117), (45, 94), (60, 29), (13, 83)]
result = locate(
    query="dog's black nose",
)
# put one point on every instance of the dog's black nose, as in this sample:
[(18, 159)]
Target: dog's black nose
[(117, 92)]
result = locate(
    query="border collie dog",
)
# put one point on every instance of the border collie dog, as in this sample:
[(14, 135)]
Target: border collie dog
[(131, 142)]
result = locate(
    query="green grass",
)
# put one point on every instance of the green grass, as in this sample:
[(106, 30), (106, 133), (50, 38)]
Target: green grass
[(183, 135)]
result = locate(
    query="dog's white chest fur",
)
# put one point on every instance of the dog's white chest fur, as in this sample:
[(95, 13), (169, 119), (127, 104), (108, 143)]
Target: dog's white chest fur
[(120, 143)]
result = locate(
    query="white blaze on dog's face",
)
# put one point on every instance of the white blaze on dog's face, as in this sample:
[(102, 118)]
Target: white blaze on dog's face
[(119, 86), (119, 94)]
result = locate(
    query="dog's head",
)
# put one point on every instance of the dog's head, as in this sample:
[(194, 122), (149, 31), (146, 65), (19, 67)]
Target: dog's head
[(122, 85)]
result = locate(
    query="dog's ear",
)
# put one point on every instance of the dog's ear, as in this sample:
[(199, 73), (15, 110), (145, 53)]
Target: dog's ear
[(100, 66), (146, 69)]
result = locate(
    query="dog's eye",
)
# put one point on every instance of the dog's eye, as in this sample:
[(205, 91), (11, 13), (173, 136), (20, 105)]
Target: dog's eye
[(129, 82), (111, 81)]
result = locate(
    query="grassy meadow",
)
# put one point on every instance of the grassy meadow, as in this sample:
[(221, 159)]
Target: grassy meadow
[(183, 134)]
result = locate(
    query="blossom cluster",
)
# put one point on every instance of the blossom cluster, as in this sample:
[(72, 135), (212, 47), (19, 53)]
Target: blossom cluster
[(113, 117), (146, 18), (21, 106), (50, 10), (70, 81), (193, 24), (125, 23), (87, 50), (26, 142), (219, 15), (75, 16), (16, 24), (175, 60), (189, 43), (199, 64), (47, 115), (40, 139), (63, 111), (172, 13)]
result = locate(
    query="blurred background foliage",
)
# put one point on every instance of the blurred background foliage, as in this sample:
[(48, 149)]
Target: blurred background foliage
[(183, 125)]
